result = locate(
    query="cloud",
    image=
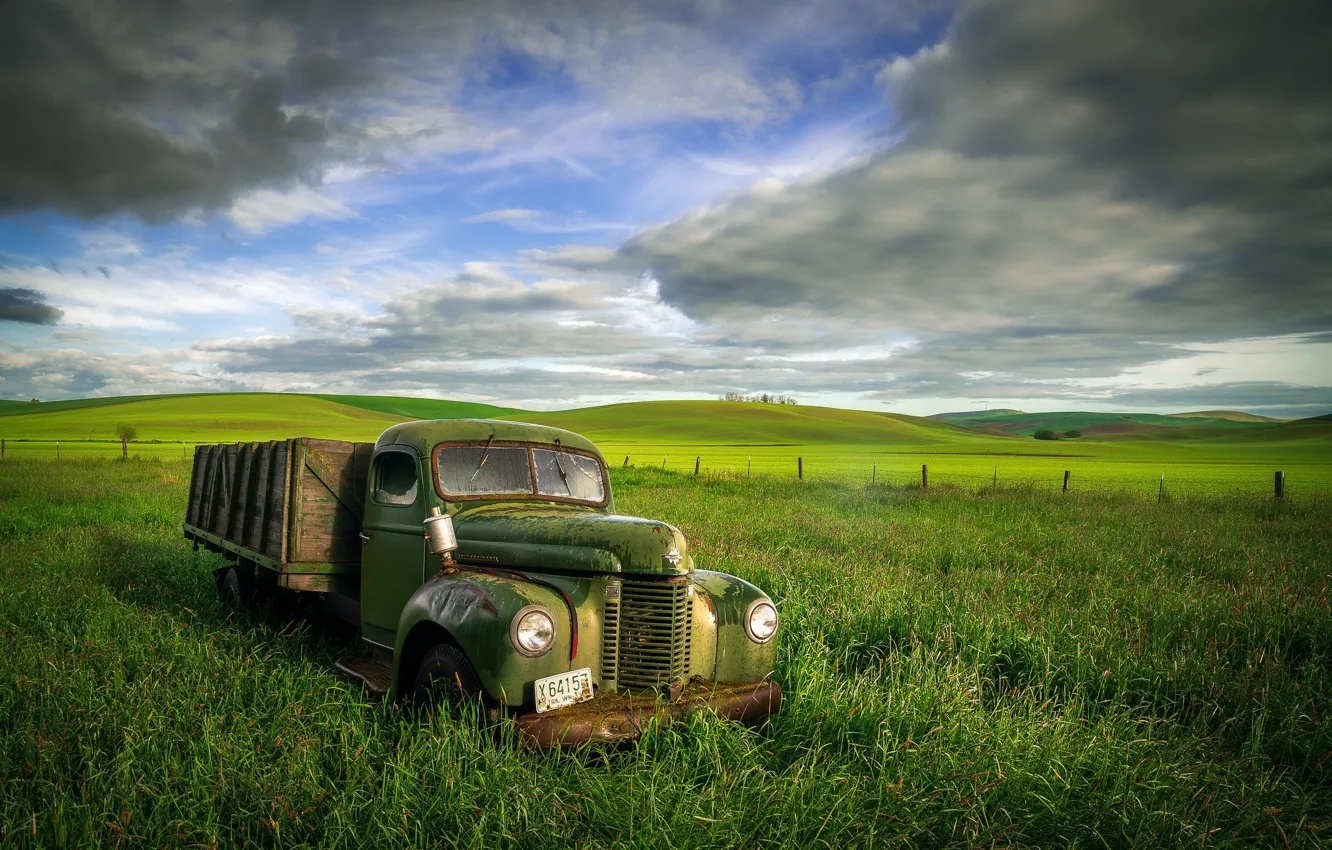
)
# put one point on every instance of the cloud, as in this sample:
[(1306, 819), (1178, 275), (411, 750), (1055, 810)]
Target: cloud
[(27, 307), (124, 107), (1073, 196), (501, 215), (261, 208)]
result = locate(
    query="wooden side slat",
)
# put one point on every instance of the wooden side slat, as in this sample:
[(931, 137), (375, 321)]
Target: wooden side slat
[(242, 497), (195, 504)]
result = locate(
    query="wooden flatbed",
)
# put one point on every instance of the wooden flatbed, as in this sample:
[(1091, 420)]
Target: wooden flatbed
[(290, 511)]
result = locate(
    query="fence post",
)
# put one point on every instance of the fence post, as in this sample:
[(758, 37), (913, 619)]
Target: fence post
[(749, 470), (1066, 480), (1280, 483), (996, 478), (697, 460), (663, 462), (57, 450), (2, 449), (924, 477), (874, 473), (1160, 493), (183, 453), (800, 467), (626, 462)]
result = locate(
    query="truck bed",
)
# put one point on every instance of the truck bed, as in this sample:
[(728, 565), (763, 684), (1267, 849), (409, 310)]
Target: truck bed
[(291, 506)]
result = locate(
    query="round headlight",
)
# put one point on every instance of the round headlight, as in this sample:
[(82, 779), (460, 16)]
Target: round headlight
[(533, 631), (761, 621)]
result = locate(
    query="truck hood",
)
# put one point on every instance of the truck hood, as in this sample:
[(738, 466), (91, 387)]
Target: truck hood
[(569, 539)]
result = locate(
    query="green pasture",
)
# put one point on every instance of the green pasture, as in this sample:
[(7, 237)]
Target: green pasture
[(962, 669), (729, 438)]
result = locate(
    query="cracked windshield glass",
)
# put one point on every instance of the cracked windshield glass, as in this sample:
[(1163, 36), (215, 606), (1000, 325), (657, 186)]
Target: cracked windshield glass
[(484, 470), (569, 475)]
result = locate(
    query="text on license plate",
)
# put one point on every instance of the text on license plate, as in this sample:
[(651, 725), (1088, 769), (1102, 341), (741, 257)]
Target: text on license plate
[(563, 689)]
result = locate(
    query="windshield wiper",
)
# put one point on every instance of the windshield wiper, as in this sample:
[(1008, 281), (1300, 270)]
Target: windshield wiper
[(484, 454), (559, 466)]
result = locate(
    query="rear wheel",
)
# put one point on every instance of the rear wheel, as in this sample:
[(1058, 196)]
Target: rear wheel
[(229, 590), (446, 680)]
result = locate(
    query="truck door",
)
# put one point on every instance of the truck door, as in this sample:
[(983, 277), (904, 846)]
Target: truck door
[(393, 552)]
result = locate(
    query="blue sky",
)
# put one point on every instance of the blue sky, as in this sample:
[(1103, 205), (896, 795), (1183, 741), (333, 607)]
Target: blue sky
[(910, 207)]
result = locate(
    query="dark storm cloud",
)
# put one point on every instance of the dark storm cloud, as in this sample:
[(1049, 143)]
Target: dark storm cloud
[(26, 306), (1082, 187), (157, 109), (162, 108)]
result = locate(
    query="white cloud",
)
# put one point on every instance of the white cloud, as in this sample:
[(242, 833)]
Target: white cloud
[(258, 210), (501, 215)]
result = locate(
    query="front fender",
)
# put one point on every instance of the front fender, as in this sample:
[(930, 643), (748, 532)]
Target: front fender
[(738, 659), (475, 611)]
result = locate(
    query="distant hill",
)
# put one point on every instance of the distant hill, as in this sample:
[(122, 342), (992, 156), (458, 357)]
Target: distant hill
[(971, 414), (422, 408), (1111, 425), (741, 423), (1230, 415)]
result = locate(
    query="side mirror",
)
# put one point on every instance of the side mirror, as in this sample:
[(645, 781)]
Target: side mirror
[(439, 532)]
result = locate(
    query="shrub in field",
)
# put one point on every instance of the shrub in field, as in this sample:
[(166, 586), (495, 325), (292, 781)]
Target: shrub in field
[(127, 431), (1045, 434), (1073, 434)]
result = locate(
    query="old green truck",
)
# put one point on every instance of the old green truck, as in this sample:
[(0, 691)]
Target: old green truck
[(484, 561)]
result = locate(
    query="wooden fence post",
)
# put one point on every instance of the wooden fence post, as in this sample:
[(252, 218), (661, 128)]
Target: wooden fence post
[(800, 467), (663, 461), (697, 460), (874, 473), (924, 477), (1160, 493), (1066, 480), (183, 453), (626, 462), (2, 449), (996, 478), (749, 470), (1280, 483), (57, 450)]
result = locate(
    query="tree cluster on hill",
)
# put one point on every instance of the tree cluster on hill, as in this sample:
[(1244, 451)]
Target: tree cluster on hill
[(1051, 434), (761, 398)]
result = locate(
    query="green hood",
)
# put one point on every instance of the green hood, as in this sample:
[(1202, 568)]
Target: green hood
[(562, 538)]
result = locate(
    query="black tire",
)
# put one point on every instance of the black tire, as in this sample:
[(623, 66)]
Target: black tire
[(446, 680), (229, 590)]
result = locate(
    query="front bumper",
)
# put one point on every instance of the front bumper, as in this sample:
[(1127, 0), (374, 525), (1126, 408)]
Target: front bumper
[(615, 718)]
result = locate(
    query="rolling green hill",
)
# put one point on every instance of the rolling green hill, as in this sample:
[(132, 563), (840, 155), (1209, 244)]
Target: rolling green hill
[(1111, 425), (198, 418), (422, 408), (742, 423)]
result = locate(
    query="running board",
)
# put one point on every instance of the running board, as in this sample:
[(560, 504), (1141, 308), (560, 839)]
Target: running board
[(374, 673)]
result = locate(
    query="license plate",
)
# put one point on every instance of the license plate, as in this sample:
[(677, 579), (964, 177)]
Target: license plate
[(563, 689)]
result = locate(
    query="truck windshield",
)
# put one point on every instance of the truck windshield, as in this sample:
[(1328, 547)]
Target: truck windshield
[(481, 470)]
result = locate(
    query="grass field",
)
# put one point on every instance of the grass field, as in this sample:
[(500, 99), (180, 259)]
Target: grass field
[(1006, 669), (726, 438)]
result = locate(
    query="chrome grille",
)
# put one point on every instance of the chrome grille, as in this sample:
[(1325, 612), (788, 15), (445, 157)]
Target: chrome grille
[(654, 639), (610, 636)]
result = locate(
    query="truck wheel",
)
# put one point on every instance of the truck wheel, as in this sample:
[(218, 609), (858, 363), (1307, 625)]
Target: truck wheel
[(446, 679), (229, 590)]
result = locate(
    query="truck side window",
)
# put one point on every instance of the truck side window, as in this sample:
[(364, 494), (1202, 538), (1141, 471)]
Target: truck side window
[(395, 479)]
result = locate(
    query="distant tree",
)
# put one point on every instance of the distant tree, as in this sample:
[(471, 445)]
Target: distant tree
[(1074, 433), (35, 401), (1045, 434)]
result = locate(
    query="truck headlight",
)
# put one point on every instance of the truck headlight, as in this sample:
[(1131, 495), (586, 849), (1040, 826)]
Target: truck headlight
[(761, 621), (533, 631)]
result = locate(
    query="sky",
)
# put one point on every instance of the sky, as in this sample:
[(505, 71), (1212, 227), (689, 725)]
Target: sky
[(895, 205)]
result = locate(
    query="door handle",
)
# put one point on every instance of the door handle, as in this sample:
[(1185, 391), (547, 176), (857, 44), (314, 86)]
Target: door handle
[(365, 537)]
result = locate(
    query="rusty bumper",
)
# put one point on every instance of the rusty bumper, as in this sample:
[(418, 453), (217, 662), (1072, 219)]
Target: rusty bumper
[(614, 718)]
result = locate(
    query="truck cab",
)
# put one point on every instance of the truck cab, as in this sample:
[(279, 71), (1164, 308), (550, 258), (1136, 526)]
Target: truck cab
[(548, 606)]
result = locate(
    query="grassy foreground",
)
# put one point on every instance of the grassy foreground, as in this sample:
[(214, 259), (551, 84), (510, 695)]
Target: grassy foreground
[(961, 670)]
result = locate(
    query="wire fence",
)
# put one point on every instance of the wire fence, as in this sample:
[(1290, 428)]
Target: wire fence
[(1163, 478)]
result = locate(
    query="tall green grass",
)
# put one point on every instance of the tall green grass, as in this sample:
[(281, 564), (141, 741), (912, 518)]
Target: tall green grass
[(1011, 669)]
